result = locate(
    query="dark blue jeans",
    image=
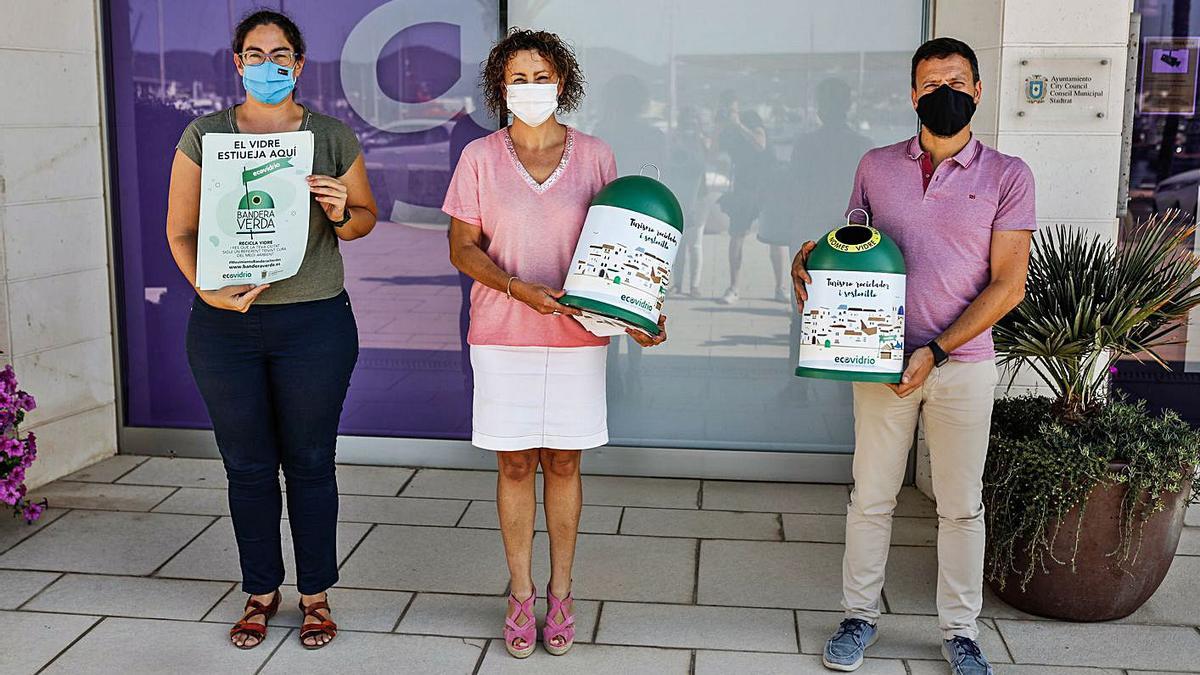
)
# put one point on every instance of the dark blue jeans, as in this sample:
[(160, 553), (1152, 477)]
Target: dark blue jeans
[(274, 380)]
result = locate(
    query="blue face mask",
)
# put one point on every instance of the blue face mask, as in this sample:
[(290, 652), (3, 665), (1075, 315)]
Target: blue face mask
[(268, 82)]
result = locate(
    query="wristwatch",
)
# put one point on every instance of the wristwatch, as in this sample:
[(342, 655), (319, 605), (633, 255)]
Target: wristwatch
[(345, 218), (940, 356)]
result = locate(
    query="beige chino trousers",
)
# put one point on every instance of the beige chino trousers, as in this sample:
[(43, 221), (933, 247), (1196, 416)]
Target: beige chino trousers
[(954, 406)]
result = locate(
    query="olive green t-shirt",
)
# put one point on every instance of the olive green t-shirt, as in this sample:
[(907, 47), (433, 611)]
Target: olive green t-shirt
[(335, 147)]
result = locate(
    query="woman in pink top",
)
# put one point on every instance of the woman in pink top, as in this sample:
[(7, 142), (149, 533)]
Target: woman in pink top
[(517, 204)]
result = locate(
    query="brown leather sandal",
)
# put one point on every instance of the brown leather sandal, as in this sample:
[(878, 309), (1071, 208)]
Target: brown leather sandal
[(312, 630), (254, 629)]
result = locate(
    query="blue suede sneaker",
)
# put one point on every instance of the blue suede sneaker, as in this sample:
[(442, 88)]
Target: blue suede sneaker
[(965, 657), (844, 651)]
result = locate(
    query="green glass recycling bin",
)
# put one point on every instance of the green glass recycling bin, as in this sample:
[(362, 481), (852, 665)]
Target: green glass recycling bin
[(621, 269), (852, 326)]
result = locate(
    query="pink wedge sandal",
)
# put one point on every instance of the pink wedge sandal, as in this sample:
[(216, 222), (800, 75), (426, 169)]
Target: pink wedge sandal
[(515, 634), (561, 632)]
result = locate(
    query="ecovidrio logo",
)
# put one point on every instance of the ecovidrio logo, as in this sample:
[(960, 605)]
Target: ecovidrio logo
[(638, 302)]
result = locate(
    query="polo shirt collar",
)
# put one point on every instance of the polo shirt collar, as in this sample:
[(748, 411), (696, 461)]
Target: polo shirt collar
[(964, 157)]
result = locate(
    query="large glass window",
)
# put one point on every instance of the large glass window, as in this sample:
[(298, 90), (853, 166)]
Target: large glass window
[(402, 75), (1165, 174), (756, 113)]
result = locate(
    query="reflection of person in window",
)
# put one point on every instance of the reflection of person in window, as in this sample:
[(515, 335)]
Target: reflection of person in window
[(685, 176), (744, 138), (819, 176), (464, 130), (635, 142)]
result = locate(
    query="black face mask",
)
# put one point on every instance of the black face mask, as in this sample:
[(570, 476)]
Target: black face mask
[(945, 111)]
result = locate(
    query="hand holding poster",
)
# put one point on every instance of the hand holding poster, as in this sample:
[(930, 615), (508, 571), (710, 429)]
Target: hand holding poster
[(254, 208)]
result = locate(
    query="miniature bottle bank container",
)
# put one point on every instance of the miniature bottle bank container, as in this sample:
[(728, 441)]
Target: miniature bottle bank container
[(622, 265), (852, 326)]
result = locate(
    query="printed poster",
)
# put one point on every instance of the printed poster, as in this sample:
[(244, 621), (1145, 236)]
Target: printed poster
[(254, 208)]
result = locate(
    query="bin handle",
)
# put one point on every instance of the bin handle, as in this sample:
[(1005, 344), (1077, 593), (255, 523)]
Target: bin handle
[(862, 211), (657, 173)]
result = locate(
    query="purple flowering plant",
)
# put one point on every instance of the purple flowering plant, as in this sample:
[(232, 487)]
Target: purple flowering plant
[(16, 452)]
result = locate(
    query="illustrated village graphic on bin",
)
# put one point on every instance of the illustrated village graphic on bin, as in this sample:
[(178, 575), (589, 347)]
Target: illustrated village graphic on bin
[(848, 327), (638, 269)]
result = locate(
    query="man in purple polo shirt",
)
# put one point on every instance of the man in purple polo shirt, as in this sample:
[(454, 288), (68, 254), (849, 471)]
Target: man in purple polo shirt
[(963, 215)]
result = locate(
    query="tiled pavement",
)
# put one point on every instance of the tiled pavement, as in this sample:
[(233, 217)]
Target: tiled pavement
[(133, 570)]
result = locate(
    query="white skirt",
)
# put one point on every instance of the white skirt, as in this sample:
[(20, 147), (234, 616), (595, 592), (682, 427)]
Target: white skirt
[(539, 397)]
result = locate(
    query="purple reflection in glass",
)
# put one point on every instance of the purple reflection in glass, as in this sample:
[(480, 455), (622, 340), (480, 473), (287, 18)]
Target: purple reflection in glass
[(413, 377)]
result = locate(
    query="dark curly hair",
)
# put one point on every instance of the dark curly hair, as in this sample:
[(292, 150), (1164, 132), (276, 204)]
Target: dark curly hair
[(552, 48), (266, 17)]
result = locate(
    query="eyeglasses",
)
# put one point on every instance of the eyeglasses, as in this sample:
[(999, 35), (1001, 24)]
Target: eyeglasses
[(281, 57)]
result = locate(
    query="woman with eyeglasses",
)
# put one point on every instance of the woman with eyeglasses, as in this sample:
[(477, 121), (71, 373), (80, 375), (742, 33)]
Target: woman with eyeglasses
[(517, 202), (273, 361)]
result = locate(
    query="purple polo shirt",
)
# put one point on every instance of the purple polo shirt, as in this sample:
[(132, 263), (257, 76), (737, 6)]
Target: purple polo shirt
[(943, 221)]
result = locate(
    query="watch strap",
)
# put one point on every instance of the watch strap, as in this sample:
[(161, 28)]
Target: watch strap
[(940, 356), (345, 218)]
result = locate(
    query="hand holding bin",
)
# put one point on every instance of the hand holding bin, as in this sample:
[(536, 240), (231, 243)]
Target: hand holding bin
[(852, 326), (621, 270)]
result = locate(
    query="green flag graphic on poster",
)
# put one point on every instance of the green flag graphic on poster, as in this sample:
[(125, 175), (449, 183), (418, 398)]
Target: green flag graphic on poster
[(254, 207)]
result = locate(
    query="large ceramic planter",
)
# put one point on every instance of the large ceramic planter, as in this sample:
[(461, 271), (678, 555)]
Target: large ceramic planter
[(1098, 589)]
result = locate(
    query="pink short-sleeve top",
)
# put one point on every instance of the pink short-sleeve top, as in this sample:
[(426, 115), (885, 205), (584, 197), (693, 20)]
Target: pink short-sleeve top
[(529, 230)]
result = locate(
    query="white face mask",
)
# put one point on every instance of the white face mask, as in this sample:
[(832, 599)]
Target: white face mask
[(532, 103)]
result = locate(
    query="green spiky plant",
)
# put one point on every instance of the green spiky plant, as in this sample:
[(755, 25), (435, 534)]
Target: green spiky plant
[(1088, 303)]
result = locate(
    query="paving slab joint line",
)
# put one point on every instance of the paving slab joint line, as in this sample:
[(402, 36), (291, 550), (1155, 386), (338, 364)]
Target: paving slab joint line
[(404, 612), (66, 649), (274, 651), (129, 470), (696, 575), (186, 544), (1012, 657), (161, 501), (356, 545), (596, 627), (41, 590), (796, 627), (692, 663), (22, 539), (462, 516), (487, 645), (233, 586), (404, 487)]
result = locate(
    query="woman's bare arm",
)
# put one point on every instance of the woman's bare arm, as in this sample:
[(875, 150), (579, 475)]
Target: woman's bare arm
[(183, 226), (467, 256)]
